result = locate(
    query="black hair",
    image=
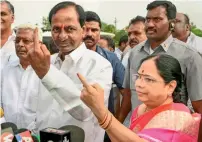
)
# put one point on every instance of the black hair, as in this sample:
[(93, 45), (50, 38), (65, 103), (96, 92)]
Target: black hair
[(92, 16), (10, 6), (124, 39), (137, 19), (109, 40), (187, 20), (65, 4), (169, 69), (170, 8)]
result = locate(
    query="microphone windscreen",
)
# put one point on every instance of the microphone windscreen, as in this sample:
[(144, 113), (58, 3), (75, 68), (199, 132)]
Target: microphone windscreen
[(23, 135), (76, 133), (20, 130), (54, 135), (8, 125), (6, 134), (35, 139), (1, 112)]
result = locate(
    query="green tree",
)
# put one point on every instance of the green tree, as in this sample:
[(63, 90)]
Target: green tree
[(103, 26), (196, 30), (118, 35), (46, 24), (110, 29)]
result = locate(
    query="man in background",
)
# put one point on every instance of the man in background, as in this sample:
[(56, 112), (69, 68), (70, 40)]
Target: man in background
[(182, 31), (91, 38), (123, 43), (106, 42), (136, 35), (7, 34)]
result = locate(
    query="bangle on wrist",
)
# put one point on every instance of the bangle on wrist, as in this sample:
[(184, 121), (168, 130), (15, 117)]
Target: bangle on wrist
[(110, 122), (103, 121), (107, 122)]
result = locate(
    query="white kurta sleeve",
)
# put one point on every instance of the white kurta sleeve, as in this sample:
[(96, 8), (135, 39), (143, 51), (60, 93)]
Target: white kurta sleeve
[(67, 93)]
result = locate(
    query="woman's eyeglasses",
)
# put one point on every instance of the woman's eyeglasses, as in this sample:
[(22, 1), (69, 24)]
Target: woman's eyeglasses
[(145, 78)]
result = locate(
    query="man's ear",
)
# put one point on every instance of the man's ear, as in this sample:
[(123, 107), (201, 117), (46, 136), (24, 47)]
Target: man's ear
[(83, 31), (13, 18), (188, 27)]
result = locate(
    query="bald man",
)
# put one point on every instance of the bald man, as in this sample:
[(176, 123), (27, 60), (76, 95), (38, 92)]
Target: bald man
[(182, 31)]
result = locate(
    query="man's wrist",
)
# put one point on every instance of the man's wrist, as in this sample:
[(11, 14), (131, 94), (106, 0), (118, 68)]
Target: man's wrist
[(42, 73)]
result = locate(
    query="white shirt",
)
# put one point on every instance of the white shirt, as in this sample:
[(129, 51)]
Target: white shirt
[(19, 94), (125, 58), (151, 51), (118, 53), (7, 50), (63, 105), (195, 42)]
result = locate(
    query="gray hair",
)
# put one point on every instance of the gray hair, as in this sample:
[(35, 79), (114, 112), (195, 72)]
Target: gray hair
[(10, 6), (31, 27)]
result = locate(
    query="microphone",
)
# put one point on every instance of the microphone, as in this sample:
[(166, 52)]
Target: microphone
[(20, 130), (8, 125), (76, 133), (7, 135), (2, 119), (22, 135), (1, 112), (54, 135), (35, 139)]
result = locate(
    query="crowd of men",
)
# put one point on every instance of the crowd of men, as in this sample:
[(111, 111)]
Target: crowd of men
[(40, 90)]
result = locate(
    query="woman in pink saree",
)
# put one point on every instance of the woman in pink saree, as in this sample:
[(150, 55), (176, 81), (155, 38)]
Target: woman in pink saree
[(162, 117), (167, 123)]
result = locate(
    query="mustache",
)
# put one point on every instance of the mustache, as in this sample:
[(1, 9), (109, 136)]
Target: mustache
[(150, 29), (88, 38), (133, 40)]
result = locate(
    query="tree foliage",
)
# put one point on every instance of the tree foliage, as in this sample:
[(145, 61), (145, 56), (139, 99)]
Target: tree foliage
[(196, 31), (118, 35), (46, 24), (110, 29), (103, 26)]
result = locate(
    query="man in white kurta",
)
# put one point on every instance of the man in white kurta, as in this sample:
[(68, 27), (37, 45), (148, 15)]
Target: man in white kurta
[(7, 34), (20, 94), (7, 47), (61, 104), (7, 51), (20, 84)]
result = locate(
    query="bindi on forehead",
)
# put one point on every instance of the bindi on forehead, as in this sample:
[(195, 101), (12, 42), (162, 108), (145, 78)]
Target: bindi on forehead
[(62, 26)]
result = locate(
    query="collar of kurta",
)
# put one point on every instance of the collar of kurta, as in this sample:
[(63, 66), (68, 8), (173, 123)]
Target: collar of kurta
[(164, 45), (16, 62), (12, 36), (191, 37), (74, 55)]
